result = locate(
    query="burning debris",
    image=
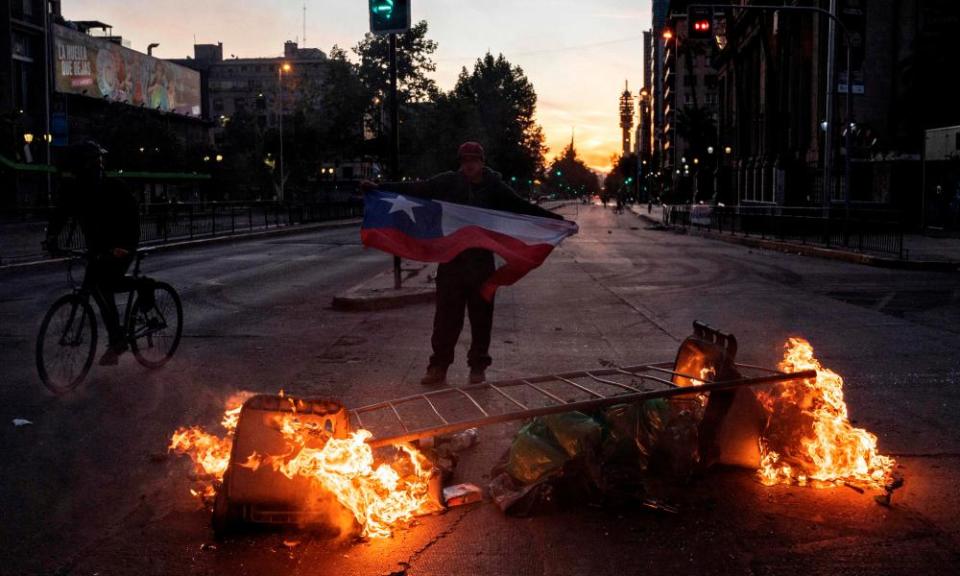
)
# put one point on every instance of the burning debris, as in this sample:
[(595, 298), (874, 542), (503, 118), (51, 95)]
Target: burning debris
[(795, 432), (294, 461), (808, 438), (327, 469)]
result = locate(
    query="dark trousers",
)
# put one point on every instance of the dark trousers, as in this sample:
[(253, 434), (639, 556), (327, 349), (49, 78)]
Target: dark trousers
[(458, 287), (104, 278)]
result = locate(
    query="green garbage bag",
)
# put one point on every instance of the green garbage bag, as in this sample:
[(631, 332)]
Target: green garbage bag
[(533, 454), (575, 432)]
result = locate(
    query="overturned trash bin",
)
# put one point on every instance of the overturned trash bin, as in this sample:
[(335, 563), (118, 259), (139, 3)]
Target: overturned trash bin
[(258, 494)]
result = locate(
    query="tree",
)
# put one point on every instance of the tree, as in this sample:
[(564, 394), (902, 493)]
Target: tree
[(569, 176), (622, 178), (415, 90), (493, 104), (504, 105), (414, 51), (343, 101)]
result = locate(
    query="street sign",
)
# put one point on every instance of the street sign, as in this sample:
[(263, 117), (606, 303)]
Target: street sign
[(389, 16)]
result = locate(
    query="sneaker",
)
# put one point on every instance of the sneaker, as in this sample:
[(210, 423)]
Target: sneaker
[(477, 375), (112, 356), (435, 376)]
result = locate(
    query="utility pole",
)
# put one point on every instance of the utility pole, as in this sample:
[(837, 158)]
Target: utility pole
[(394, 139), (830, 129)]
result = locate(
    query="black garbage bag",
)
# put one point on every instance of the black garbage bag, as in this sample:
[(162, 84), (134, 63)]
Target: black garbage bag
[(575, 457)]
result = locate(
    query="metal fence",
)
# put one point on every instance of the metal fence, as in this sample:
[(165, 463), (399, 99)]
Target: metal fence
[(169, 222), (23, 231), (867, 231)]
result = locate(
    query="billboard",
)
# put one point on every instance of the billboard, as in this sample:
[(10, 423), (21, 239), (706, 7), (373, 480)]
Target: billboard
[(98, 68)]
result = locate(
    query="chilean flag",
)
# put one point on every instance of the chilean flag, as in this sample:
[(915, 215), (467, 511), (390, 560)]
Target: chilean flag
[(435, 231)]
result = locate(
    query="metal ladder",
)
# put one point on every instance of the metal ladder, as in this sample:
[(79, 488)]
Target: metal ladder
[(451, 409)]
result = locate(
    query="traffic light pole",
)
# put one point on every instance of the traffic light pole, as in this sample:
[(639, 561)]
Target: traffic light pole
[(394, 139), (831, 90)]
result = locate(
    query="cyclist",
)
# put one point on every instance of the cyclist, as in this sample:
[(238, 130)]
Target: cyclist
[(108, 216)]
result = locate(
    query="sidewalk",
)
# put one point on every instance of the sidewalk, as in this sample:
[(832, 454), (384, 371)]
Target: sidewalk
[(920, 252)]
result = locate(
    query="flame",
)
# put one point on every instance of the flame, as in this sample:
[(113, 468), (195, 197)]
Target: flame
[(379, 496), (706, 375), (808, 437)]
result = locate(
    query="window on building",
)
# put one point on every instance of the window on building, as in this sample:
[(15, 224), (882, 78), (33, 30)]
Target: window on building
[(218, 105), (261, 103), (239, 104)]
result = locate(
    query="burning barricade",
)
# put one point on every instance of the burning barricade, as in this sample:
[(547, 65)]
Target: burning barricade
[(294, 462), (288, 461), (795, 432)]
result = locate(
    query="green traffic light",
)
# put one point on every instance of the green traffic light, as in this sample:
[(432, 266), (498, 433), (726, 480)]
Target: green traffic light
[(559, 173), (382, 8), (389, 16)]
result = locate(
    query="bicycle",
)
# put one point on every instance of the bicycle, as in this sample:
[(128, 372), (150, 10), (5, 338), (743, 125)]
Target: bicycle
[(67, 342)]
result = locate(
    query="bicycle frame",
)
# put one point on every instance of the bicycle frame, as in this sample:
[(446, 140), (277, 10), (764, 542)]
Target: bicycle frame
[(131, 282)]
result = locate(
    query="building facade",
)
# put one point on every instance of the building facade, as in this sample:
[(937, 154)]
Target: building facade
[(268, 92), (61, 83), (775, 89)]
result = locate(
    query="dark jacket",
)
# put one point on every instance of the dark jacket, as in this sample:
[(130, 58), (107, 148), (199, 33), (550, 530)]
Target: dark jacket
[(108, 214), (492, 192)]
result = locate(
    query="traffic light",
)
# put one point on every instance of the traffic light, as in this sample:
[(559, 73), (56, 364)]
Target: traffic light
[(389, 16), (700, 22)]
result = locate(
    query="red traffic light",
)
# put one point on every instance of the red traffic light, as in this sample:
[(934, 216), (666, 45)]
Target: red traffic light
[(701, 21)]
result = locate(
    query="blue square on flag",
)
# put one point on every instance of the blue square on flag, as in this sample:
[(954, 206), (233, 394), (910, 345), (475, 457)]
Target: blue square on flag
[(415, 217)]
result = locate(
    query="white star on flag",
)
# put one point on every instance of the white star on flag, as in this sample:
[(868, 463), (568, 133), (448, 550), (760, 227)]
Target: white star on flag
[(401, 204)]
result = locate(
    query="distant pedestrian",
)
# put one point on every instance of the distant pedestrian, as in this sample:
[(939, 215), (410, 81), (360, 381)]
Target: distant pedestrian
[(108, 216), (460, 280)]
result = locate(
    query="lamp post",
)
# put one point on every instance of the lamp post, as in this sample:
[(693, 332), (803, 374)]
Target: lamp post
[(285, 67)]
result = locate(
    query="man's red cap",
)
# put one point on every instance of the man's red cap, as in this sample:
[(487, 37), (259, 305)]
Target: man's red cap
[(470, 149)]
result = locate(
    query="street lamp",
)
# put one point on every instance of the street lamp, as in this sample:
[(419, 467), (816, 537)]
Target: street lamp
[(28, 138), (285, 67)]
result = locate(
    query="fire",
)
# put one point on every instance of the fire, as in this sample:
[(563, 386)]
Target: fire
[(210, 453), (808, 437), (379, 496)]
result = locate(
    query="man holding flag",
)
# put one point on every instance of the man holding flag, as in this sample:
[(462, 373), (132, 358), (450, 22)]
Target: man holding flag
[(460, 219)]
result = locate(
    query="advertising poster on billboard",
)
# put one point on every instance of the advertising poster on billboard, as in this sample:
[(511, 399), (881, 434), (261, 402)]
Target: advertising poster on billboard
[(99, 68)]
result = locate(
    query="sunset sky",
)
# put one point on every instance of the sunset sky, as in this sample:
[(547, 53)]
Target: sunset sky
[(576, 53)]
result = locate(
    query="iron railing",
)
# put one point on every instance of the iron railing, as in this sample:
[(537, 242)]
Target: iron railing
[(865, 231), (23, 230)]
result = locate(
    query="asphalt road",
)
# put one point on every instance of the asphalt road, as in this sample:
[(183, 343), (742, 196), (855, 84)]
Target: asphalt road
[(88, 487)]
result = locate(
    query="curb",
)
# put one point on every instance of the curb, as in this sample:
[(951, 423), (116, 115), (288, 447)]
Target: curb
[(284, 231), (378, 293)]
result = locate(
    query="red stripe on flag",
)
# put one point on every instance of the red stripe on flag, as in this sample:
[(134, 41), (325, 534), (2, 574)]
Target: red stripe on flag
[(520, 257)]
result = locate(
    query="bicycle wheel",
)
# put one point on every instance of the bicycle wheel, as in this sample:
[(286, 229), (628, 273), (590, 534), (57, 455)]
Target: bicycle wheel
[(154, 329), (66, 343)]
